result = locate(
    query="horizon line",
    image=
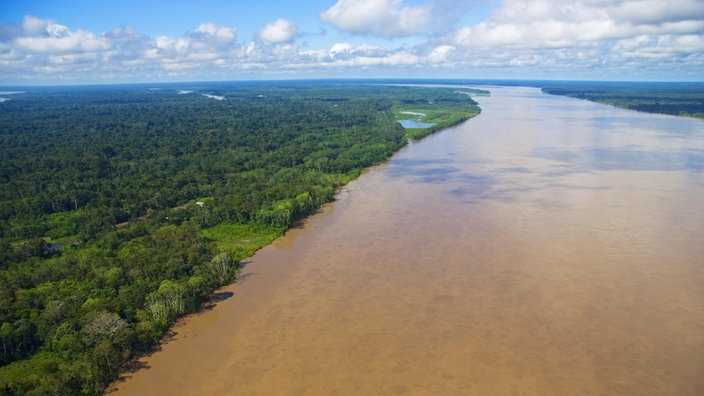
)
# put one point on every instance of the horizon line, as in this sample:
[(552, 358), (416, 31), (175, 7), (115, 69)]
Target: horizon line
[(478, 81)]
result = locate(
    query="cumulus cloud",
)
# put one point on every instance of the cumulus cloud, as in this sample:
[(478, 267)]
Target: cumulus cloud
[(344, 54), (47, 36), (206, 38), (207, 47), (278, 31), (625, 37), (220, 34), (347, 51), (387, 18), (555, 24), (45, 47), (391, 18), (656, 11), (516, 38), (441, 54), (209, 50), (663, 47)]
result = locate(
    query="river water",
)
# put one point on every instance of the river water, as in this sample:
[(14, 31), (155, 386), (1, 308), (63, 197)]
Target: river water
[(549, 246)]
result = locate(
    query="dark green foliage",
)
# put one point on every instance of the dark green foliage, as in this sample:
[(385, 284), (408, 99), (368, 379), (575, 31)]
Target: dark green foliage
[(663, 98), (102, 244)]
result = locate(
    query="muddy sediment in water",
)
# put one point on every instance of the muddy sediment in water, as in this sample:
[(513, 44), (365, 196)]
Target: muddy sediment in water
[(549, 246)]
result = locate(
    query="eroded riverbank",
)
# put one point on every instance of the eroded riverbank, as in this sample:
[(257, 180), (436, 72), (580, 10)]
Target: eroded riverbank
[(548, 246)]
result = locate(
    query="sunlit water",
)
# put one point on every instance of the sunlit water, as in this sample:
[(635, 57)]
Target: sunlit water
[(549, 246)]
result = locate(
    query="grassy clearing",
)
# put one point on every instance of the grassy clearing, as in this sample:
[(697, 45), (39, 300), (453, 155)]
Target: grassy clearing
[(443, 109), (243, 239), (441, 119)]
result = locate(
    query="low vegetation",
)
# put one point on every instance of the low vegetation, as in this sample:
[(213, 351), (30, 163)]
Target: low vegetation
[(123, 208), (442, 111)]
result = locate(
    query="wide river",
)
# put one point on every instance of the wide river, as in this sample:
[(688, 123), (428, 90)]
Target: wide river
[(549, 246)]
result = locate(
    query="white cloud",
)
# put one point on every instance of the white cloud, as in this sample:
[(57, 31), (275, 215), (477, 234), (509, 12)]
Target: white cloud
[(441, 54), (555, 24), (388, 18), (278, 31), (518, 38), (663, 47), (657, 11), (624, 37), (47, 36), (340, 48), (208, 45), (346, 51), (34, 26), (46, 48), (344, 54), (220, 34)]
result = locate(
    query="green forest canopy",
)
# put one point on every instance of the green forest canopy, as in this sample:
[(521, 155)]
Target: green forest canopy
[(123, 208)]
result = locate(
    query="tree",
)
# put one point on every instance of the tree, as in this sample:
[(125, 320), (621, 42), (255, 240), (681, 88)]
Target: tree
[(167, 302), (104, 324), (222, 268)]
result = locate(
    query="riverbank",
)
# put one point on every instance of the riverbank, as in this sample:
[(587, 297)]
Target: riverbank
[(212, 181), (269, 275)]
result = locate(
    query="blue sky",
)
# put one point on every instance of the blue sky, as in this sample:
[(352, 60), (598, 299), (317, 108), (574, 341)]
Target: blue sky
[(97, 41)]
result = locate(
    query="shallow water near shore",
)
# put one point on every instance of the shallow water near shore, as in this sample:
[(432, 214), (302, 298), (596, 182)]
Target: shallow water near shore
[(549, 246)]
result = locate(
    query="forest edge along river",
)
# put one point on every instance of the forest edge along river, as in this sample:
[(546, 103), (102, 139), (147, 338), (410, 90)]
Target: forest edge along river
[(548, 246), (156, 194)]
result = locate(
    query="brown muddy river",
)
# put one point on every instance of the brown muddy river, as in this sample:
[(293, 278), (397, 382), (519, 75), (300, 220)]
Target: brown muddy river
[(549, 246)]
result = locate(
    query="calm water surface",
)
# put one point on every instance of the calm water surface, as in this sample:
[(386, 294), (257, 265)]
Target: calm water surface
[(549, 246)]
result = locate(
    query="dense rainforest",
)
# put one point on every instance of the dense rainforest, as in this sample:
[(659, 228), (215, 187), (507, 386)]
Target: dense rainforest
[(680, 99), (123, 208)]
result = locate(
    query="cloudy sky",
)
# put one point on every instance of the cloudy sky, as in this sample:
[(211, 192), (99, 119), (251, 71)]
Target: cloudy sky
[(112, 41)]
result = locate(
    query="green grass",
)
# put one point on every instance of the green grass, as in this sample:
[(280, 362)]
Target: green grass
[(441, 108), (22, 375), (243, 239), (63, 225), (442, 119)]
